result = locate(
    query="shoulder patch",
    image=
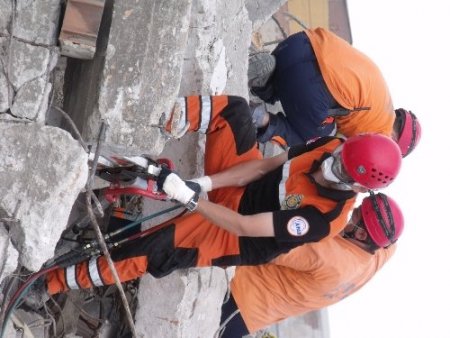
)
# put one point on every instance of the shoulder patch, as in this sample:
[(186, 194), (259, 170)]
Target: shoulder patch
[(292, 201), (298, 226)]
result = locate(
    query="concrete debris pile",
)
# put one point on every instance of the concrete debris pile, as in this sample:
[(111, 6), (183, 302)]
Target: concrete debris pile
[(148, 53)]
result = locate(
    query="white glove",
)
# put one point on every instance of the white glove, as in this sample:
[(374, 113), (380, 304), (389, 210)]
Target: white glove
[(176, 189), (204, 182)]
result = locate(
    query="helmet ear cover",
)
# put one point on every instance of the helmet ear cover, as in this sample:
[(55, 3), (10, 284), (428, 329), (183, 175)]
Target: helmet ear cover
[(382, 218), (408, 130), (399, 123)]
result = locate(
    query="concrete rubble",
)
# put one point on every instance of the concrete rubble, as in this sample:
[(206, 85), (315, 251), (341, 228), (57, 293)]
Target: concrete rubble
[(148, 53), (42, 171)]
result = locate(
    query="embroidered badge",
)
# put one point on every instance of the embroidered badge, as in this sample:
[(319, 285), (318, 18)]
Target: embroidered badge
[(298, 226), (291, 202)]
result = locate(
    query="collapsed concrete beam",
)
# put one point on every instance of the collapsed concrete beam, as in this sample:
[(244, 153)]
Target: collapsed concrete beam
[(140, 52)]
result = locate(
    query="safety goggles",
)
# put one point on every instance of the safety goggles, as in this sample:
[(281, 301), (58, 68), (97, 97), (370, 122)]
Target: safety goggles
[(334, 171), (338, 167), (359, 224)]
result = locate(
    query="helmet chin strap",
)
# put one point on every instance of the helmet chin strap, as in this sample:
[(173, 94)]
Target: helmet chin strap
[(341, 186)]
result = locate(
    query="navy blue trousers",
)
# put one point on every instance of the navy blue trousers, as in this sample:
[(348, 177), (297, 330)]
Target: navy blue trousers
[(235, 328), (298, 84)]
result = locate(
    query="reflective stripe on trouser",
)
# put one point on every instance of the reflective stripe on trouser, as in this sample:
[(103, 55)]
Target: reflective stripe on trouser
[(197, 110), (95, 272), (231, 139)]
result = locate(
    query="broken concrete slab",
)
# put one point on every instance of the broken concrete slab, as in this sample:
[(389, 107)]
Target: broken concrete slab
[(184, 304), (42, 171), (31, 100), (37, 21), (29, 62), (139, 77), (259, 11)]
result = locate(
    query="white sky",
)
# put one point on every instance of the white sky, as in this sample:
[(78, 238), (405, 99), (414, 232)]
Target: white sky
[(409, 297)]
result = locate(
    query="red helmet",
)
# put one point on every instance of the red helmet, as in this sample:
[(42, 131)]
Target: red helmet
[(372, 160), (408, 130), (383, 219)]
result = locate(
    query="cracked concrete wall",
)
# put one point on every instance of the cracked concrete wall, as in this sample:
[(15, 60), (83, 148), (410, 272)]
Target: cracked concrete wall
[(28, 54)]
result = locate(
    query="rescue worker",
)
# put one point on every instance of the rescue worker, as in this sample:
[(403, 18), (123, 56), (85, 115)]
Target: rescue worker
[(253, 213), (314, 275), (324, 85)]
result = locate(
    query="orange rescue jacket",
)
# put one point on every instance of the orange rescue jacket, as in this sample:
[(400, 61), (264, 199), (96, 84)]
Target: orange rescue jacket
[(355, 82)]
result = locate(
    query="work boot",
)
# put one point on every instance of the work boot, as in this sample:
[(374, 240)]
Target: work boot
[(260, 68), (260, 116), (178, 124)]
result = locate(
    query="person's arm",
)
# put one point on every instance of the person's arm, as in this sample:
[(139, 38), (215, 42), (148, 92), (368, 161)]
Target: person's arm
[(291, 227), (241, 174), (258, 225)]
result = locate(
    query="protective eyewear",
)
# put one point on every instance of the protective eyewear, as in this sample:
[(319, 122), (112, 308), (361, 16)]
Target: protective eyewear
[(339, 172), (360, 225)]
